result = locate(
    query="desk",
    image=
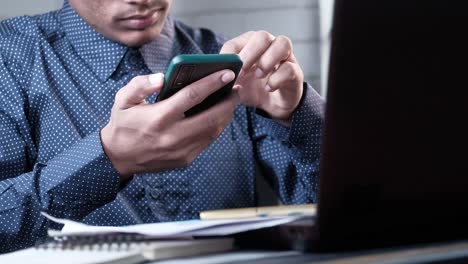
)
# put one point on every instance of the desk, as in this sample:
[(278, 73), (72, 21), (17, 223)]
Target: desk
[(449, 253)]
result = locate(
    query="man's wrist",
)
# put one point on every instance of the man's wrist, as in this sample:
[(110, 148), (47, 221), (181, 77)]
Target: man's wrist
[(106, 139), (285, 122)]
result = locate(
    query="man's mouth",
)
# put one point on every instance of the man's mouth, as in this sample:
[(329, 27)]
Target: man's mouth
[(142, 21)]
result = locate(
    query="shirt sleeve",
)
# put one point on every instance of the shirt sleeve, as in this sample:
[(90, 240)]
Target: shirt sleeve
[(289, 156), (71, 185)]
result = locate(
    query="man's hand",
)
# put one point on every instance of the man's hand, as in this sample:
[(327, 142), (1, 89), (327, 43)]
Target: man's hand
[(271, 79), (143, 137)]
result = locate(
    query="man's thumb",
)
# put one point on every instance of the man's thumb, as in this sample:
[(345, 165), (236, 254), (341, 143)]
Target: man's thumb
[(138, 89)]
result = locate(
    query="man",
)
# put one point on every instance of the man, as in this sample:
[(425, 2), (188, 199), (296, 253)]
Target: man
[(81, 138)]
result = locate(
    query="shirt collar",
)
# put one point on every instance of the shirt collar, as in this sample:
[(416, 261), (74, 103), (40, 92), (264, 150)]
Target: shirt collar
[(101, 54)]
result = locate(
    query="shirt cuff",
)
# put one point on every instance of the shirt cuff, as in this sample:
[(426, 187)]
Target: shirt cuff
[(306, 120)]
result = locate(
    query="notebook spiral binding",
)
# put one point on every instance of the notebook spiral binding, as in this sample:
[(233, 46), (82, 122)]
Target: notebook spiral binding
[(108, 242)]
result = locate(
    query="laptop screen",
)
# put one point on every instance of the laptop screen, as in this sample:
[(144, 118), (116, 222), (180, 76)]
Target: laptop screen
[(394, 166)]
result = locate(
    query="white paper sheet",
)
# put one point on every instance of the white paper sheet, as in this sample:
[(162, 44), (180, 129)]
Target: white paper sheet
[(178, 228)]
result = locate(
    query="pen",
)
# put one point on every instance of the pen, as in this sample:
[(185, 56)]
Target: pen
[(264, 211)]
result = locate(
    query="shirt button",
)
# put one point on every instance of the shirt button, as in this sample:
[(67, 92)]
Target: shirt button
[(155, 194), (133, 60)]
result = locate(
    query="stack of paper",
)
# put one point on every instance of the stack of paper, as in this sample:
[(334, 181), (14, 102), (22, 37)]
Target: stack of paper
[(188, 228)]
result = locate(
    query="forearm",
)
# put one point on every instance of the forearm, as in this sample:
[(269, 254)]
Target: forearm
[(71, 185)]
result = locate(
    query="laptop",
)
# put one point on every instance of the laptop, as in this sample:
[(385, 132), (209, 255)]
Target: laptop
[(394, 169)]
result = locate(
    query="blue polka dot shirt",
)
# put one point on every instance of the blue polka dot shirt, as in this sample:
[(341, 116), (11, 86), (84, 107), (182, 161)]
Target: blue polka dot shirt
[(58, 79)]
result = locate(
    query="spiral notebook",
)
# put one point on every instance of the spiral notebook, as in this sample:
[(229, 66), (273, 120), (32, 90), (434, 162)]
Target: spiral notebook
[(115, 249)]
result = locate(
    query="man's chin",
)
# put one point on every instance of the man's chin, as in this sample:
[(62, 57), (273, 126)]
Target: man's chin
[(137, 39)]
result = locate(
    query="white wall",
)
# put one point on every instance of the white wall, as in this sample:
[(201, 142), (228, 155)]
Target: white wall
[(11, 8), (326, 21)]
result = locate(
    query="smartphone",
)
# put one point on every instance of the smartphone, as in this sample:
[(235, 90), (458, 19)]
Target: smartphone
[(188, 68)]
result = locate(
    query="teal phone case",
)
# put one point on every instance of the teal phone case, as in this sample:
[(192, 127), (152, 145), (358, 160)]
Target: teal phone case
[(188, 68)]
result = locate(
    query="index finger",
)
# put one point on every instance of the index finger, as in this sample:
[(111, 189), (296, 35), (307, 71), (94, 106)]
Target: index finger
[(236, 44), (259, 42)]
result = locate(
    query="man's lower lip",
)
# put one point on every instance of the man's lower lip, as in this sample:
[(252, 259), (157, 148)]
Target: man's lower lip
[(140, 23)]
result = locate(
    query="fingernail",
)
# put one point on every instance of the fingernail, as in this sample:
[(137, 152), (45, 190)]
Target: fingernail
[(156, 79), (259, 73), (228, 77), (268, 88)]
